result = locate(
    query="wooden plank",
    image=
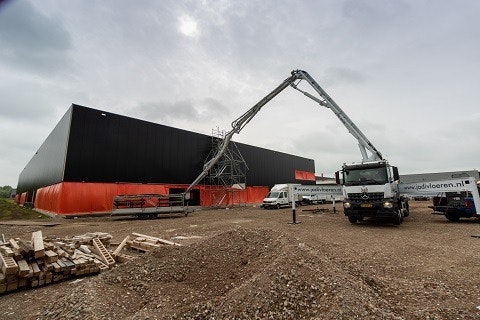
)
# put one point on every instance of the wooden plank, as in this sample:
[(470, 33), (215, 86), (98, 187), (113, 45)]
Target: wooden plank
[(157, 239), (41, 279), (23, 269), (120, 246), (62, 265), (50, 256), (12, 286), (26, 248), (36, 269), (147, 245), (62, 253), (69, 264), (56, 267), (132, 245), (14, 244), (37, 243), (22, 282)]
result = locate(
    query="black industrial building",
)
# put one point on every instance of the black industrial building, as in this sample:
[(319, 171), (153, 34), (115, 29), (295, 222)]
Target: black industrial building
[(94, 146)]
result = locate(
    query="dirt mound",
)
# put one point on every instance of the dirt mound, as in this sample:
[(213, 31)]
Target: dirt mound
[(239, 274)]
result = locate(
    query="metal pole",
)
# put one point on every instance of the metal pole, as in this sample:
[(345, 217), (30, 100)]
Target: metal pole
[(294, 213)]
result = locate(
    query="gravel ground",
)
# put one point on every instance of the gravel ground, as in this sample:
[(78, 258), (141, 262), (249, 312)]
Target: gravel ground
[(249, 263)]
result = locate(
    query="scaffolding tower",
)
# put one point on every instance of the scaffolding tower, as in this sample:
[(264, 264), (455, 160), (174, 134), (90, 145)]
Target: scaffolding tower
[(225, 182)]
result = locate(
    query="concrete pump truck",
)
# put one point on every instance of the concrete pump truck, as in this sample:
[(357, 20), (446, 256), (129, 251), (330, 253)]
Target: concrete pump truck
[(370, 187)]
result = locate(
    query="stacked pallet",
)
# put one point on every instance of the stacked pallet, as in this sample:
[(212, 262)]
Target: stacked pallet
[(41, 261)]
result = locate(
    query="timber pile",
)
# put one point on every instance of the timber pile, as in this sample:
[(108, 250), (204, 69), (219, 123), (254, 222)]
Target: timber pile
[(41, 261)]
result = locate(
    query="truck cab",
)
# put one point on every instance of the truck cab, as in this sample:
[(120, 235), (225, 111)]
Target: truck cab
[(370, 189)]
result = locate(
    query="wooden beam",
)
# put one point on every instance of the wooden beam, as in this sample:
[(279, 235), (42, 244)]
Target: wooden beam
[(156, 239), (37, 243), (120, 246)]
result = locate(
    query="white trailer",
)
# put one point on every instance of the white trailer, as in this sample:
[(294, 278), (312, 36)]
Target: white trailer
[(319, 193), (461, 186)]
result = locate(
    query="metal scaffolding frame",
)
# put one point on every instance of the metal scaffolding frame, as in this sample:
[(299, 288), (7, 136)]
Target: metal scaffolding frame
[(227, 178)]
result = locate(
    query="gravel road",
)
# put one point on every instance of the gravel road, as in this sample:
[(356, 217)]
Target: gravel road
[(250, 263)]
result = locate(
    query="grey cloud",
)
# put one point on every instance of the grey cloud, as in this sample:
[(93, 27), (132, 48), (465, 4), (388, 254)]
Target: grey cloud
[(165, 112), (32, 41), (339, 75), (25, 102), (186, 110), (371, 12)]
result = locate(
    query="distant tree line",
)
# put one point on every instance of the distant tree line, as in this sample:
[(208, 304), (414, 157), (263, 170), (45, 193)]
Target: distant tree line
[(5, 191)]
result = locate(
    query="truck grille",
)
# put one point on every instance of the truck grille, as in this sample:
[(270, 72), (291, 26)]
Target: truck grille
[(366, 197)]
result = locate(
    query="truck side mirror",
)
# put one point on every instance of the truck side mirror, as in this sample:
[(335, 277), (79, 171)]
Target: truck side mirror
[(337, 177), (396, 176)]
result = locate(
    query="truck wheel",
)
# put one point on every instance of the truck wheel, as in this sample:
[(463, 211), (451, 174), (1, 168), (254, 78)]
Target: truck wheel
[(352, 220), (278, 205), (398, 218), (453, 217)]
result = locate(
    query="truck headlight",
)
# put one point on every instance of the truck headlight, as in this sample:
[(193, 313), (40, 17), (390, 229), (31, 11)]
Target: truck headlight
[(347, 205), (388, 205)]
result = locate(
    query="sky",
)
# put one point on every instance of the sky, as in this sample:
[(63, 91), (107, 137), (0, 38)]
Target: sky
[(406, 72)]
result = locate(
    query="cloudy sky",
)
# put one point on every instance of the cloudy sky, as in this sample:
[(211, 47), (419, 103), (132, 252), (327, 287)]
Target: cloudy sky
[(406, 72)]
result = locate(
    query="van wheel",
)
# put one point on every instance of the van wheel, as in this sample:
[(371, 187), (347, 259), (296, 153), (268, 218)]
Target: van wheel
[(278, 205)]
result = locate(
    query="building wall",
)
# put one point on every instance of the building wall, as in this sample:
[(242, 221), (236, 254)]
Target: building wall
[(105, 147)]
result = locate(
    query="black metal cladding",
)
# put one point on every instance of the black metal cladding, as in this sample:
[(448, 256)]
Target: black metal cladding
[(47, 165), (106, 147)]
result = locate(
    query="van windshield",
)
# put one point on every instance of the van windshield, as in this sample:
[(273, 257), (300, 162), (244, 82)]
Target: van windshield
[(273, 194)]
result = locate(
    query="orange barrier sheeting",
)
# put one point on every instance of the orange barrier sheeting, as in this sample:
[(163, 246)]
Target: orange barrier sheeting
[(216, 197), (23, 198), (304, 175), (84, 197)]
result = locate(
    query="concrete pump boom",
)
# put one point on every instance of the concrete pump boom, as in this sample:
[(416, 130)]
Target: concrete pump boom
[(326, 101)]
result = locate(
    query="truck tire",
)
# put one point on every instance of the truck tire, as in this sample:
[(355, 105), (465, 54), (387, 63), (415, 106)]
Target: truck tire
[(353, 220), (407, 210), (398, 218), (278, 205)]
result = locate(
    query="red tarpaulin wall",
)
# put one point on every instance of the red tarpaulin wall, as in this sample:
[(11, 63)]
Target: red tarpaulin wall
[(304, 175), (23, 198), (214, 197), (84, 197)]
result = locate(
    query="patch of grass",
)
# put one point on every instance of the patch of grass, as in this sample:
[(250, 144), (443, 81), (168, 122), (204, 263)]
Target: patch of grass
[(11, 211)]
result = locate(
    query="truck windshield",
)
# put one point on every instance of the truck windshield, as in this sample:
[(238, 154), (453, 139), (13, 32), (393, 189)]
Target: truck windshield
[(365, 176)]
